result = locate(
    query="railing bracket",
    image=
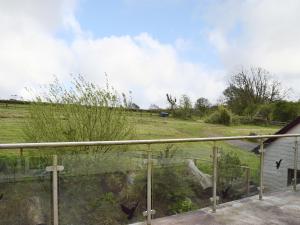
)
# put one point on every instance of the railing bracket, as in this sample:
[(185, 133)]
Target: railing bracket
[(212, 199), (145, 213)]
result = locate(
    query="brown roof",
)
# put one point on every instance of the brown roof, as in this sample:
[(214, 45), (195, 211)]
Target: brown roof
[(283, 130)]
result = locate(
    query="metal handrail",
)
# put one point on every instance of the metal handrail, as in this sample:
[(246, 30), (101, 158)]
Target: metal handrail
[(55, 168), (137, 142)]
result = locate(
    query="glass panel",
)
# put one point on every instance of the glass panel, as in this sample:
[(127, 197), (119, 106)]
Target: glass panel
[(102, 186), (25, 188), (181, 178), (278, 161), (238, 171)]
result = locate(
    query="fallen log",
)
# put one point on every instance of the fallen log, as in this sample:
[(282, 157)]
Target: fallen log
[(203, 179)]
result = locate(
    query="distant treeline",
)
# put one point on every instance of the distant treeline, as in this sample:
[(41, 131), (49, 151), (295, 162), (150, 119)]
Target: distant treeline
[(252, 96), (21, 102), (14, 101)]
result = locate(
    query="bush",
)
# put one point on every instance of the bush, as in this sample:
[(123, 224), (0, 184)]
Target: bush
[(266, 112), (184, 110), (82, 112), (229, 171), (235, 119), (221, 116), (286, 111)]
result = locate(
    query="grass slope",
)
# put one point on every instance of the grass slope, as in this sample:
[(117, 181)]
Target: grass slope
[(151, 126)]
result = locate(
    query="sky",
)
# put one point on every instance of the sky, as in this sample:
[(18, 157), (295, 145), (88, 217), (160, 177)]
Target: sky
[(147, 47)]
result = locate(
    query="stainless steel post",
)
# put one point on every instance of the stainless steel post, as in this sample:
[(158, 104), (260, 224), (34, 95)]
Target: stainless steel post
[(215, 164), (261, 187), (55, 191), (295, 164), (54, 169), (149, 186)]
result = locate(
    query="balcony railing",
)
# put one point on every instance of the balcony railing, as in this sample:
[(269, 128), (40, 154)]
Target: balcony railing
[(80, 169)]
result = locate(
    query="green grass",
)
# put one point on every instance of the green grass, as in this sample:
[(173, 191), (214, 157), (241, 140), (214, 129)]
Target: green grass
[(151, 126), (148, 126), (156, 127)]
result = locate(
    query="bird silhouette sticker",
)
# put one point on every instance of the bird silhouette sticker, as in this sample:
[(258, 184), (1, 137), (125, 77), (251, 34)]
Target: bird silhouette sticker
[(129, 211), (278, 163)]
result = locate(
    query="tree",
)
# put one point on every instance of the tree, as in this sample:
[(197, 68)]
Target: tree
[(252, 87), (185, 107), (83, 112), (266, 112), (172, 101), (201, 106), (286, 111)]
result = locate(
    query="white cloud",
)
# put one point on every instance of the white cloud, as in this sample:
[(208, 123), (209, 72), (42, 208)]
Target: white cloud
[(258, 32), (31, 53)]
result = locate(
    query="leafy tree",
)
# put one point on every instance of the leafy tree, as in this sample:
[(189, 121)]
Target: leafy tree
[(83, 112), (266, 112), (251, 111), (185, 107), (286, 111), (202, 106), (254, 86)]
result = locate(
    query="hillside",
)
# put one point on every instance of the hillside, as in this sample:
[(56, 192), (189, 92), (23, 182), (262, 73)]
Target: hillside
[(148, 126), (100, 175)]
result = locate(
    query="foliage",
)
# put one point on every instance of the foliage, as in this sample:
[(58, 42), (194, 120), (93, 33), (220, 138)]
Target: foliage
[(182, 110), (229, 169), (185, 109), (172, 188), (182, 206), (250, 87), (221, 116), (251, 111), (285, 111), (266, 112), (83, 112), (202, 106), (235, 119)]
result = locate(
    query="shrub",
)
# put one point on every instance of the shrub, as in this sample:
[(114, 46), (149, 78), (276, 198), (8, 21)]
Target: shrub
[(229, 170), (82, 112), (221, 116), (235, 119), (286, 111), (266, 112)]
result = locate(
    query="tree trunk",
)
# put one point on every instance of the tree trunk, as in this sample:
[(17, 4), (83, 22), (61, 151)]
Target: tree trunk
[(203, 179)]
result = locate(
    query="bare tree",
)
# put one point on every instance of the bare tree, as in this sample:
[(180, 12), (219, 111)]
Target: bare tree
[(172, 101), (250, 87)]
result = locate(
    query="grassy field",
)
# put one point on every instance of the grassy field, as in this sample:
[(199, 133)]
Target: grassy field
[(148, 126), (151, 126), (88, 179)]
